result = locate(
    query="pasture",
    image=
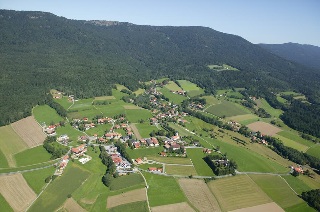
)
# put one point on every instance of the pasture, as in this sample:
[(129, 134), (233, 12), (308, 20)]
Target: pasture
[(16, 191), (249, 121), (88, 112), (30, 132), (4, 206), (199, 194), (226, 108), (32, 156), (72, 205), (163, 190), (46, 114), (120, 87), (264, 128), (244, 117), (235, 94), (82, 104), (197, 124), (145, 129), (102, 98), (70, 131), (210, 100), (237, 192), (291, 143), (314, 150), (64, 102), (135, 115), (295, 137), (272, 206), (139, 91), (173, 86), (111, 110), (282, 100), (171, 160), (179, 129), (191, 88), (141, 206), (175, 98), (144, 152), (200, 165), (128, 197), (297, 184), (182, 206), (100, 129), (274, 112), (126, 181), (3, 161), (180, 170), (221, 92)]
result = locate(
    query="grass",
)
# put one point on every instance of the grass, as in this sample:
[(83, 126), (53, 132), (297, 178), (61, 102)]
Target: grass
[(171, 160), (103, 98), (293, 136), (36, 179), (132, 207), (99, 129), (250, 121), (137, 114), (180, 170), (237, 94), (143, 152), (277, 190), (312, 183), (191, 88), (126, 181), (3, 161), (4, 205), (271, 110), (163, 190), (120, 87), (220, 92), (88, 112), (146, 166), (111, 110), (139, 91), (173, 86), (32, 156), (100, 204), (297, 184), (291, 143), (82, 104), (314, 150), (226, 109), (179, 129), (70, 131), (197, 124), (300, 207), (200, 165), (282, 100), (194, 93), (175, 98), (46, 114), (146, 129), (210, 100), (7, 170), (95, 165), (224, 67), (242, 118), (64, 102), (290, 92), (60, 188)]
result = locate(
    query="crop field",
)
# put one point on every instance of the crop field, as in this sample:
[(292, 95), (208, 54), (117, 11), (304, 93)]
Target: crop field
[(171, 160), (272, 206), (4, 206), (237, 192), (199, 194), (10, 144), (200, 165), (314, 150), (53, 197), (135, 115), (141, 206), (297, 184), (183, 206), (16, 191), (294, 136), (46, 114), (175, 98), (102, 98), (271, 110), (36, 179), (180, 170), (72, 205), (291, 143), (173, 86), (210, 100), (249, 121), (131, 107), (32, 156), (30, 132), (126, 181), (144, 152), (264, 128), (277, 190), (163, 190), (244, 117), (128, 197), (312, 183), (226, 108), (145, 129), (300, 207)]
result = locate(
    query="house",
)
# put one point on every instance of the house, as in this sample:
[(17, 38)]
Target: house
[(126, 138), (149, 142), (83, 138), (176, 137), (101, 121), (136, 145), (128, 129), (102, 140), (152, 169), (208, 151), (117, 126), (163, 154), (65, 158), (175, 146), (50, 132), (117, 135), (63, 165), (123, 125), (167, 146), (156, 143), (299, 169), (78, 151), (159, 170), (129, 133), (85, 119), (139, 161)]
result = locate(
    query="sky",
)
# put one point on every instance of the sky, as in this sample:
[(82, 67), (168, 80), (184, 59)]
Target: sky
[(258, 21)]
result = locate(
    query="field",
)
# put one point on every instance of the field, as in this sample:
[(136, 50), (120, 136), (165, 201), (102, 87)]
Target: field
[(126, 181), (36, 179), (3, 161), (120, 87), (111, 110), (80, 113), (46, 114), (224, 67), (180, 170), (191, 88), (145, 129), (236, 94), (10, 144), (144, 152), (102, 98), (32, 156), (297, 184), (210, 100), (72, 205), (264, 128), (291, 143), (245, 117), (237, 192), (128, 197), (282, 100), (269, 109), (183, 206), (29, 130), (163, 190), (53, 197), (226, 108), (139, 91), (131, 107), (175, 98), (141, 206), (272, 206), (173, 86), (178, 128), (16, 191), (314, 150), (312, 183), (249, 121), (135, 115), (171, 160), (4, 206), (199, 194), (277, 190), (197, 124), (200, 165), (290, 93), (70, 131), (64, 102), (82, 104), (293, 136)]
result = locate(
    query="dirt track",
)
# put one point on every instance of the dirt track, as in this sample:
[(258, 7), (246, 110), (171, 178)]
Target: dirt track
[(183, 206), (128, 197), (264, 128), (135, 131)]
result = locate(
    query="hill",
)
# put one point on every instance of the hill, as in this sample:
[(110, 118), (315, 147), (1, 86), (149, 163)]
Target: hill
[(41, 51), (301, 53)]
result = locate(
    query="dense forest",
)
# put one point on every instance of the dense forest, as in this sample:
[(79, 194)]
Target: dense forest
[(313, 198), (40, 51)]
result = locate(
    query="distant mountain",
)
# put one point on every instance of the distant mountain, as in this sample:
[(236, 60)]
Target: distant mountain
[(305, 54)]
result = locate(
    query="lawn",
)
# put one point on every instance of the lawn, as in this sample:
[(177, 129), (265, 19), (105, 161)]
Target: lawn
[(36, 179), (180, 170), (171, 160), (293, 136), (173, 86), (246, 117), (70, 131), (32, 156), (271, 110), (54, 196), (175, 98), (200, 165), (46, 114), (88, 112), (3, 161), (191, 88), (210, 100), (95, 165), (297, 184), (314, 150), (226, 109), (291, 143), (146, 129), (137, 114), (64, 102), (277, 190), (126, 181), (82, 104), (4, 205), (163, 190), (143, 152), (141, 206)]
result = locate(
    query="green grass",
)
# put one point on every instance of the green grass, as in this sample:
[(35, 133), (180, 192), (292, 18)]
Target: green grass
[(138, 114), (300, 207), (181, 131), (314, 150), (271, 110), (36, 179), (197, 124), (95, 165), (146, 166), (99, 129), (145, 129), (180, 170), (32, 156), (82, 104), (3, 161), (173, 86), (191, 88), (88, 112), (175, 98), (4, 205), (226, 109), (120, 87), (126, 181), (290, 92), (237, 94), (220, 92), (46, 114), (293, 136), (118, 94), (170, 160), (64, 102), (297, 184), (132, 207), (194, 93), (139, 91), (200, 165), (249, 121), (100, 204), (144, 152), (312, 183), (60, 188), (111, 110), (210, 100), (277, 190), (70, 131), (163, 190), (7, 170), (282, 100), (291, 143)]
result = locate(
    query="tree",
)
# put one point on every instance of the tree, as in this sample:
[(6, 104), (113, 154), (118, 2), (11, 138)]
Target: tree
[(295, 173), (218, 148), (106, 179)]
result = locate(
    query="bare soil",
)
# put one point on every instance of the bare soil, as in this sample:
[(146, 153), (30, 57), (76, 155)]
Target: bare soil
[(264, 128), (72, 206), (183, 206)]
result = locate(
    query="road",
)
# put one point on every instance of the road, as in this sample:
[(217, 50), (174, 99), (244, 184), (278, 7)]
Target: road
[(29, 170)]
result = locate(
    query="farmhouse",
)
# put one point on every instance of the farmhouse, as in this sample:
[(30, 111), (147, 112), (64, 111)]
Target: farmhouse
[(176, 137), (175, 146), (63, 165), (149, 142), (139, 161), (208, 151), (299, 169), (78, 151), (163, 154)]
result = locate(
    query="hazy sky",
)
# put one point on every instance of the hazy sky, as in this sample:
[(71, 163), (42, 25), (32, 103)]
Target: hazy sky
[(268, 21)]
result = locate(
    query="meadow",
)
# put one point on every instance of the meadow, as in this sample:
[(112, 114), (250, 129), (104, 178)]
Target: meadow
[(120, 87), (200, 165), (46, 114), (137, 114), (180, 170), (3, 161), (32, 156), (175, 98), (173, 86), (291, 143), (144, 152), (141, 206), (314, 150), (6, 170), (282, 100), (88, 112), (246, 117), (197, 124), (99, 129), (70, 131), (179, 129), (171, 160), (111, 110), (145, 129), (126, 181), (210, 100), (139, 91), (64, 102), (191, 88), (236, 94), (221, 92), (297, 184), (4, 205), (295, 137), (226, 109), (274, 112)]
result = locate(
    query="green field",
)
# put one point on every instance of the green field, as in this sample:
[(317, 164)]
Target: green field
[(141, 206), (126, 181), (139, 91), (246, 117), (36, 179), (226, 109), (144, 152), (173, 86), (163, 190), (60, 188), (88, 112), (180, 170), (277, 190), (312, 183), (282, 100), (179, 129), (290, 93), (170, 160), (4, 205), (300, 207), (7, 170), (291, 143), (70, 131), (191, 88), (82, 104), (120, 87), (32, 156), (293, 136), (46, 114), (3, 161), (221, 92), (314, 150), (137, 114), (232, 93), (100, 129), (145, 129), (271, 110), (64, 102), (210, 100), (111, 110), (297, 184), (197, 124), (200, 165), (175, 98), (224, 67), (250, 121)]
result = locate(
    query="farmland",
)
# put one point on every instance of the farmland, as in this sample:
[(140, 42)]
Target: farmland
[(175, 98), (4, 206), (295, 137), (46, 114), (314, 151), (178, 128), (180, 170), (144, 152), (72, 205), (137, 114), (191, 88), (291, 143), (245, 117), (274, 112), (146, 129), (200, 165), (126, 181), (3, 161), (132, 207), (64, 102), (210, 100), (183, 206), (264, 128), (171, 160), (226, 108), (32, 156), (297, 184), (173, 86), (102, 98), (128, 197), (139, 91), (237, 192)]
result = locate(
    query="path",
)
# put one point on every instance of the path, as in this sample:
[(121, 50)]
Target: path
[(29, 170), (135, 131), (211, 105), (145, 181), (289, 185), (38, 195)]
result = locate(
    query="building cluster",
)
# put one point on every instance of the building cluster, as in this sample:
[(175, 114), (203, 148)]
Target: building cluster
[(63, 139), (121, 163), (183, 93), (155, 169), (235, 125), (85, 122)]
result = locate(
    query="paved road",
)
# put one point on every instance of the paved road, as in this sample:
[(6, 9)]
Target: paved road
[(29, 170)]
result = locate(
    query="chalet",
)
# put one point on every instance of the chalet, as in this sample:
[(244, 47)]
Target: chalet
[(167, 146), (85, 119), (79, 150), (76, 120), (95, 136), (102, 140), (65, 158), (152, 169), (208, 151), (136, 145), (128, 129), (129, 133), (183, 121), (101, 121), (83, 138), (116, 160), (159, 169), (156, 143), (222, 162), (142, 141), (109, 119), (52, 127), (123, 125), (50, 132), (299, 169)]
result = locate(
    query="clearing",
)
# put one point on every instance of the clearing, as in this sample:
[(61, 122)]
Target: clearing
[(264, 128), (272, 111), (199, 194), (173, 86), (128, 197), (272, 206), (183, 206), (72, 206), (180, 170), (46, 114), (30, 131), (314, 150), (226, 108), (16, 191), (237, 192), (224, 67), (139, 91), (141, 206)]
